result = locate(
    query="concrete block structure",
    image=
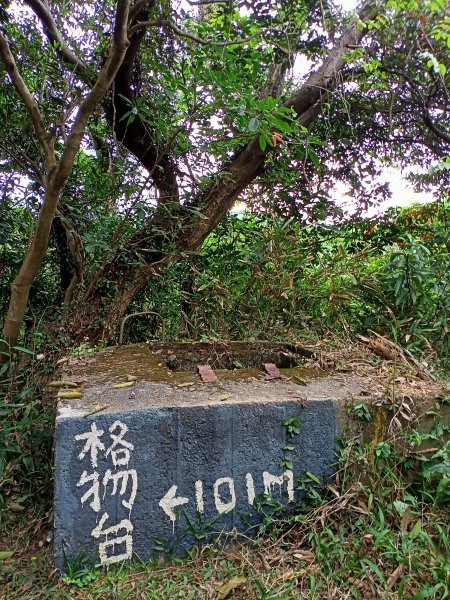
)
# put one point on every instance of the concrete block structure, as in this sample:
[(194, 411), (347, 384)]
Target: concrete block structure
[(150, 459)]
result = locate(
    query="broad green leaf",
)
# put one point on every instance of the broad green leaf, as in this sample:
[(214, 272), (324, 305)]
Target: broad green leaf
[(262, 142), (415, 531), (22, 349), (313, 156)]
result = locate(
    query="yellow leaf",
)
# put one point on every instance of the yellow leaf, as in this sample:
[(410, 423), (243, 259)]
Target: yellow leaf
[(233, 583), (69, 394), (124, 384), (298, 381), (14, 507), (95, 410)]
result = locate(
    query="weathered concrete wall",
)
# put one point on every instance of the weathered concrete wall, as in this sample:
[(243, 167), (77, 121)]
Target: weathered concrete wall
[(135, 473), (172, 460)]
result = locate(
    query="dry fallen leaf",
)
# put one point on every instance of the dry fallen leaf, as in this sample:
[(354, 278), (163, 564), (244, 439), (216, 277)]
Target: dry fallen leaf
[(395, 576), (97, 408), (68, 395), (304, 555), (14, 507), (233, 583), (288, 575), (61, 384), (124, 384), (406, 519)]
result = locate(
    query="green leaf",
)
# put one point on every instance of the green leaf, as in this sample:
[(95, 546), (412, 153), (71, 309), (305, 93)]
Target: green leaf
[(24, 350), (313, 477), (400, 507), (253, 125), (125, 116), (313, 156), (375, 569), (5, 554), (289, 447), (262, 142), (280, 125), (416, 530), (429, 592)]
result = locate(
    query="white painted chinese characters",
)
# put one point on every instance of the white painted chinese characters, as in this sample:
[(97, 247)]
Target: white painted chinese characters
[(106, 454), (122, 482)]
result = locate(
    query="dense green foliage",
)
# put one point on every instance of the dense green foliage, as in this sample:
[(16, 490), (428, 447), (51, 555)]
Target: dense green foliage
[(209, 104), (262, 277)]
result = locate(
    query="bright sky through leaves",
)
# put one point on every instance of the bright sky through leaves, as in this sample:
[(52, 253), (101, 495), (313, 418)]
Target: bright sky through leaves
[(402, 192)]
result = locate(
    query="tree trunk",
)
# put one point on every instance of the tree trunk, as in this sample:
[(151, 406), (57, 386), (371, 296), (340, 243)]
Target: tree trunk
[(56, 172), (116, 285), (20, 288)]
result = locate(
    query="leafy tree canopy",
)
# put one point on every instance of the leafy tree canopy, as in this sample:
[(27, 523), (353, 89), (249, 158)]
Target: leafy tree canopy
[(135, 126)]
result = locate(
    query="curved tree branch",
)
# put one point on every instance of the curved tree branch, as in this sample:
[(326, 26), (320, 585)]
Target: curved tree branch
[(42, 135), (138, 137), (101, 86), (445, 137), (186, 34), (42, 11)]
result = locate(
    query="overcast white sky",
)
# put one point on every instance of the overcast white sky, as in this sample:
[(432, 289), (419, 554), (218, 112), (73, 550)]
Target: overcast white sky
[(402, 192)]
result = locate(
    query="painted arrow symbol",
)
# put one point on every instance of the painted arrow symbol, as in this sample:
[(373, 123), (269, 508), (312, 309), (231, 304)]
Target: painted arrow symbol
[(170, 500)]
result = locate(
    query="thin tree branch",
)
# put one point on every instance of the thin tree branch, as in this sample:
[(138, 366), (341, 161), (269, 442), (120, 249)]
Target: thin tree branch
[(139, 137), (138, 6), (186, 34), (104, 80), (203, 2), (42, 11), (434, 128), (30, 103)]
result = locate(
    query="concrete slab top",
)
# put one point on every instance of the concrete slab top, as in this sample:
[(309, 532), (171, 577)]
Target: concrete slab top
[(145, 372)]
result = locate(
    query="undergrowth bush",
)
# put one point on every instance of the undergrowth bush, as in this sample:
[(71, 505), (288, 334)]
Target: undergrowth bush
[(27, 426), (261, 277)]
